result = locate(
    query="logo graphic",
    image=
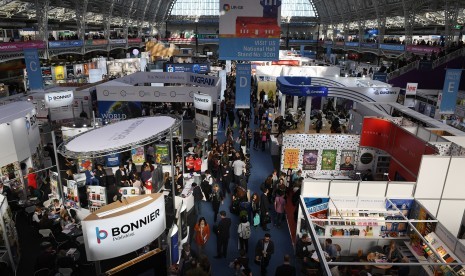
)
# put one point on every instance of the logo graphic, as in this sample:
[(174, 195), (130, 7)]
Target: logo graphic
[(226, 7), (101, 234)]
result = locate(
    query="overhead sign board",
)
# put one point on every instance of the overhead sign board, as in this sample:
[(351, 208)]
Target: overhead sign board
[(198, 68), (203, 102), (249, 29), (121, 228), (58, 99)]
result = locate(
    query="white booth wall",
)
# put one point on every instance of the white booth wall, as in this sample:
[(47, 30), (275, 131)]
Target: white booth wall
[(320, 142), (19, 141), (352, 189), (441, 189)]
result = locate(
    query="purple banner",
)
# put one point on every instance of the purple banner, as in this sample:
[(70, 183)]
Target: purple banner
[(19, 46), (423, 49)]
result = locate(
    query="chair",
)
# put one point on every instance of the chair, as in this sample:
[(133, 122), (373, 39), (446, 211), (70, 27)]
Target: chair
[(65, 271), (47, 233), (42, 272)]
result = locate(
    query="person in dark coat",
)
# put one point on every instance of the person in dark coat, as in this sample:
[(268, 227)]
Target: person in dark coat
[(286, 269), (131, 169), (101, 175), (263, 252), (264, 209), (225, 177), (119, 175), (222, 236)]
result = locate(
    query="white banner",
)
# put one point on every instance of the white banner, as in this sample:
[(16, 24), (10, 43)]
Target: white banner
[(202, 125), (203, 102), (126, 230), (411, 88), (58, 99)]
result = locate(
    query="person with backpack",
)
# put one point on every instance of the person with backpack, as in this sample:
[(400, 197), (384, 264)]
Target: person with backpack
[(279, 206), (198, 196), (244, 231)]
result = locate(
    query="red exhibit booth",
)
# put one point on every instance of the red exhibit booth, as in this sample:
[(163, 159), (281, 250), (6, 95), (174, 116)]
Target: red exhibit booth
[(405, 148)]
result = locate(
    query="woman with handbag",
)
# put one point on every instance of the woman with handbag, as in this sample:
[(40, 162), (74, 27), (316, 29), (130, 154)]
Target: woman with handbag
[(255, 208), (202, 234)]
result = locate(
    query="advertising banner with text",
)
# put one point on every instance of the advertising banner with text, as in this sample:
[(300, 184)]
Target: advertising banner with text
[(249, 29), (117, 229), (450, 90), (19, 46), (243, 85), (34, 72)]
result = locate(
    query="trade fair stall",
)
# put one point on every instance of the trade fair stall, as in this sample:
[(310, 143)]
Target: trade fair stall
[(378, 235), (9, 246), (19, 134)]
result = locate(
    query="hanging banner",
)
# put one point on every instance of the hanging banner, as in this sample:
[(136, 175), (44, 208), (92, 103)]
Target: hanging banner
[(450, 90), (70, 192), (138, 155), (380, 76), (58, 99), (309, 159), (34, 72), (347, 160), (54, 184), (328, 160), (243, 73), (203, 102), (162, 155), (249, 30), (112, 160), (291, 158), (84, 164)]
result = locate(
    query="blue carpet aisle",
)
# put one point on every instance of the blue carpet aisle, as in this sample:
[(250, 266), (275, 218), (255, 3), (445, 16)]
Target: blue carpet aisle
[(261, 167)]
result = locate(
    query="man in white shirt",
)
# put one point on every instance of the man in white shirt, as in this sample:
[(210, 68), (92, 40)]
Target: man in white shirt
[(239, 167)]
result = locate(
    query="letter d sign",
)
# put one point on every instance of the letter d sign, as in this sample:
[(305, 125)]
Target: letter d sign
[(101, 234), (243, 82)]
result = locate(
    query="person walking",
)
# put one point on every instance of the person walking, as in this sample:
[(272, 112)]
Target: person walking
[(279, 207), (216, 199), (239, 167), (198, 197), (263, 252), (225, 177), (202, 234), (264, 210), (244, 231), (256, 139), (255, 209), (286, 269), (222, 236)]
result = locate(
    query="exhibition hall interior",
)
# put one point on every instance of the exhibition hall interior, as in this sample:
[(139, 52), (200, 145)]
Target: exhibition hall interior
[(232, 137)]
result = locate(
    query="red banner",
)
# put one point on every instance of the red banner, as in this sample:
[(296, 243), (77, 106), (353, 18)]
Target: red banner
[(19, 46), (286, 62), (135, 40), (404, 147), (423, 49)]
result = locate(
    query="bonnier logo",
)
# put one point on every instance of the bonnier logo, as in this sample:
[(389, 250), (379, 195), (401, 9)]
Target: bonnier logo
[(101, 234)]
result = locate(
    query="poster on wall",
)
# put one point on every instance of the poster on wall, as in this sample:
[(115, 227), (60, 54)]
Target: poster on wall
[(249, 30), (54, 184), (309, 159), (111, 111), (70, 192), (347, 160), (328, 160), (138, 155), (162, 155), (83, 164), (317, 208), (112, 160), (291, 158)]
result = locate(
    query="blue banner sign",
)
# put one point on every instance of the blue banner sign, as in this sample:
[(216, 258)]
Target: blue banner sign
[(380, 76), (112, 160), (392, 47), (351, 44), (328, 42), (243, 73), (450, 90), (34, 72), (300, 86), (65, 43), (369, 45), (198, 68)]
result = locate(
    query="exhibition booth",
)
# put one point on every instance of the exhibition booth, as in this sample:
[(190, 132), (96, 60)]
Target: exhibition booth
[(362, 229), (9, 246), (21, 149)]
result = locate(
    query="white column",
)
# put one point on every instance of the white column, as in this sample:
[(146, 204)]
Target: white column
[(283, 105), (335, 102), (296, 103), (308, 109)]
